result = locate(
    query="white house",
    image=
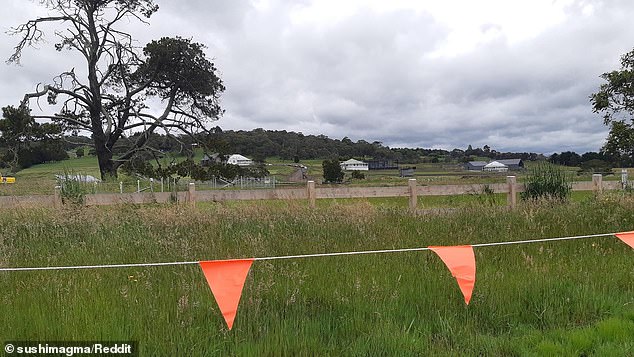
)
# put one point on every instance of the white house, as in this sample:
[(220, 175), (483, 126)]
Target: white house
[(495, 166), (354, 165), (237, 159)]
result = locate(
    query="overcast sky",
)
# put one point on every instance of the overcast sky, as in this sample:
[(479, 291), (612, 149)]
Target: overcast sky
[(514, 75)]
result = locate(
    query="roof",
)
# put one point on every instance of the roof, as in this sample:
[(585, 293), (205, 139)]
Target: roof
[(510, 161), (353, 162), (477, 163), (495, 164), (211, 157), (238, 157)]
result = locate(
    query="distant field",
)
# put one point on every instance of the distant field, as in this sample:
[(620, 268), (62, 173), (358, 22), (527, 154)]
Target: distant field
[(40, 179), (572, 298)]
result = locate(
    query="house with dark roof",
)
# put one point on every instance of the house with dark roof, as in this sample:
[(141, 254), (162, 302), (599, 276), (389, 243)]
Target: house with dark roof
[(208, 160), (475, 165)]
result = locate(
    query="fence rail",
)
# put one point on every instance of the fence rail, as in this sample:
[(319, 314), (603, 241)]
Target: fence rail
[(310, 193)]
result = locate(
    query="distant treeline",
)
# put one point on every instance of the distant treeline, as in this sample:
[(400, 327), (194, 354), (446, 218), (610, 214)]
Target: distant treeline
[(591, 161), (259, 144)]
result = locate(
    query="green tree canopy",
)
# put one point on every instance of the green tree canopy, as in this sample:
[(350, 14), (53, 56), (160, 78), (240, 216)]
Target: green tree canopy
[(23, 140), (615, 102)]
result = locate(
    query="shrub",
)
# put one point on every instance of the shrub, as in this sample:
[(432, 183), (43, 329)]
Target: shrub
[(79, 152), (547, 181), (358, 175), (596, 166)]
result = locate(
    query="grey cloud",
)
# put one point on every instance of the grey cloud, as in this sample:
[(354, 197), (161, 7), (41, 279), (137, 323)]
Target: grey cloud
[(372, 77)]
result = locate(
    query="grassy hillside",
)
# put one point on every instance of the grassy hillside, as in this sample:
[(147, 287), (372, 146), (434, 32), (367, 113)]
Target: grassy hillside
[(563, 298), (40, 179)]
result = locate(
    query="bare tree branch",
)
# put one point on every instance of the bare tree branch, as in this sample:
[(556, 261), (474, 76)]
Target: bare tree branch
[(120, 78), (31, 34), (64, 118)]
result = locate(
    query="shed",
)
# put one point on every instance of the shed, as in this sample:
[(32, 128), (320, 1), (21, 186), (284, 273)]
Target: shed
[(475, 165), (382, 165)]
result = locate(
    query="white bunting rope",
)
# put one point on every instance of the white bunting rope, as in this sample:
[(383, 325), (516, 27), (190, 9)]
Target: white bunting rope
[(304, 255)]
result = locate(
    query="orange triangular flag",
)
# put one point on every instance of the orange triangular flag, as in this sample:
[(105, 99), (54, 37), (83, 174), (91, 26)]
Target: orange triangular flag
[(226, 280), (461, 262), (626, 237)]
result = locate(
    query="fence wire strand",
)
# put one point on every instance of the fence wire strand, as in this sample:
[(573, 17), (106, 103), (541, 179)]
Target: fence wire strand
[(132, 265)]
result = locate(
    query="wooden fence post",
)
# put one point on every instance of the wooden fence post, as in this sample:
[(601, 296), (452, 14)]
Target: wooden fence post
[(413, 195), (191, 197), (57, 197), (597, 183), (311, 193), (511, 197)]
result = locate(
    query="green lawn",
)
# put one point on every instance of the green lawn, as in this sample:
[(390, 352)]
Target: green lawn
[(569, 298), (86, 165), (40, 179)]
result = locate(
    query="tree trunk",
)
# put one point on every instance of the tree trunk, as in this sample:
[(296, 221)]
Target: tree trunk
[(107, 166)]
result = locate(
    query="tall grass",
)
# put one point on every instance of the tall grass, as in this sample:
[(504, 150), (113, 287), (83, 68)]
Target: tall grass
[(547, 181), (74, 187), (564, 298)]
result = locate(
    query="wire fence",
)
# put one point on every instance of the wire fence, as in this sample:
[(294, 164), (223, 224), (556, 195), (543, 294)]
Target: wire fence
[(180, 185)]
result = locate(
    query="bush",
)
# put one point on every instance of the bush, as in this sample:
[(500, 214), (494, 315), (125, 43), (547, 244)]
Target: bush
[(358, 175), (79, 152), (547, 181), (596, 166)]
